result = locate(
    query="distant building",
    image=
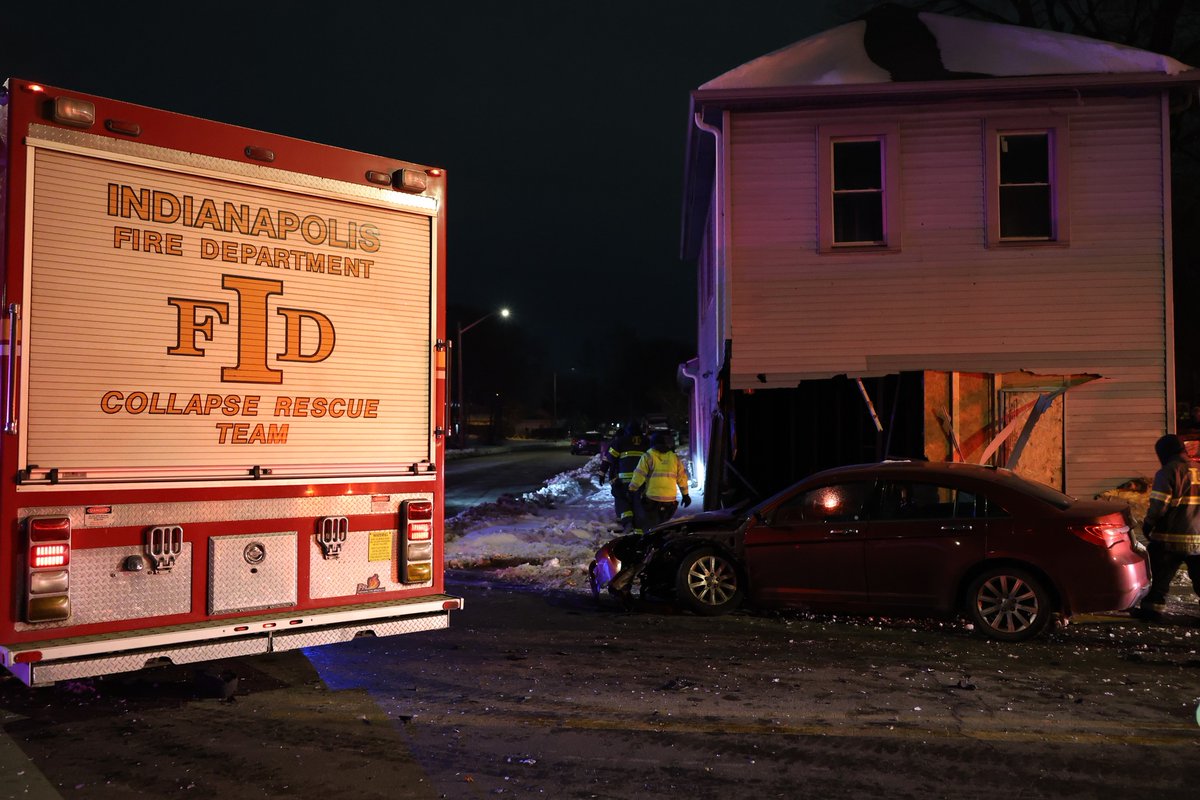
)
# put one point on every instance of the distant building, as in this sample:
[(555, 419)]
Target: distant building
[(928, 236)]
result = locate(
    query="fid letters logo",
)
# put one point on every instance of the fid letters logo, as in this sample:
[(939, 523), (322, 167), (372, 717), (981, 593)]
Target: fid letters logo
[(195, 321)]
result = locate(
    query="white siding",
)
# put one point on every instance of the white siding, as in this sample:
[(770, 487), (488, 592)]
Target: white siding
[(945, 301)]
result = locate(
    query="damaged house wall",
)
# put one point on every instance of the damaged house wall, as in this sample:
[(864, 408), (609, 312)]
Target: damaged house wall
[(943, 301), (939, 298), (909, 199)]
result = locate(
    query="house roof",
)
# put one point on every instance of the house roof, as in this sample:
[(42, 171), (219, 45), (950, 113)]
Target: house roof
[(892, 43), (894, 54)]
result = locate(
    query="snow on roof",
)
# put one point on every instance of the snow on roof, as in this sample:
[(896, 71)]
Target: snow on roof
[(892, 43)]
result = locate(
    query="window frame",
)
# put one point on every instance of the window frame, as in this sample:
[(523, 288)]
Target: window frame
[(888, 135), (1058, 133)]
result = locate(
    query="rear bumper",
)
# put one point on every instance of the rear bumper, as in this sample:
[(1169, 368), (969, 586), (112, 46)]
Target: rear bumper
[(45, 662), (1128, 583)]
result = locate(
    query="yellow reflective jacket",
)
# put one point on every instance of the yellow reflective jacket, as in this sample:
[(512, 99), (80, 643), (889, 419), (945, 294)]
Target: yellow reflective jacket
[(661, 473)]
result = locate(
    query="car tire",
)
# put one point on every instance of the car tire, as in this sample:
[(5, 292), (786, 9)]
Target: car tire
[(1008, 604), (708, 582)]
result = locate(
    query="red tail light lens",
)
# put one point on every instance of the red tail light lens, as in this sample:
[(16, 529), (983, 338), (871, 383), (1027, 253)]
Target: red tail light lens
[(1105, 534), (418, 510)]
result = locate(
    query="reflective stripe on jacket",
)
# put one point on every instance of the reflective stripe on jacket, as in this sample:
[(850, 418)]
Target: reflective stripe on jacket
[(1174, 514), (625, 452), (662, 473)]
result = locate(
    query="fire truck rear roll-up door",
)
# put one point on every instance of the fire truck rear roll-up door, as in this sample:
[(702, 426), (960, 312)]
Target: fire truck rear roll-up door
[(296, 339)]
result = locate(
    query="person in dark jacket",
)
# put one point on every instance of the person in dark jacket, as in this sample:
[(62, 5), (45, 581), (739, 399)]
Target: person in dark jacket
[(622, 457), (1172, 524)]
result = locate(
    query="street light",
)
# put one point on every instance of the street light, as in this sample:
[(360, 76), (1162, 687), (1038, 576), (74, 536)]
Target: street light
[(462, 409)]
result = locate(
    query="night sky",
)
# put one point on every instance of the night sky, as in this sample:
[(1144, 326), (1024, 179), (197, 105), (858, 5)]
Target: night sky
[(561, 125)]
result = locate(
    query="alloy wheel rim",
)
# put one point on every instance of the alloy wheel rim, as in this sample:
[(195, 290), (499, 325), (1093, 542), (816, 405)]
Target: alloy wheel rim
[(711, 581), (1007, 604)]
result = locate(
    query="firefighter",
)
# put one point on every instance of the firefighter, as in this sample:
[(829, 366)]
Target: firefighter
[(1172, 524), (622, 458), (656, 478)]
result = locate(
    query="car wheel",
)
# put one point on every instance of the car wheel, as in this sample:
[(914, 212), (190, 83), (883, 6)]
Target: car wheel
[(708, 583), (1009, 604)]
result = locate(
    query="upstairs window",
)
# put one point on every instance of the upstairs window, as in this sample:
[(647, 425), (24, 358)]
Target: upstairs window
[(1024, 186), (1027, 198), (859, 187), (858, 197)]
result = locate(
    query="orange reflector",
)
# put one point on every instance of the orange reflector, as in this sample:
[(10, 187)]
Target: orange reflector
[(419, 573), (49, 609), (260, 153), (28, 657), (450, 605), (123, 126), (242, 628)]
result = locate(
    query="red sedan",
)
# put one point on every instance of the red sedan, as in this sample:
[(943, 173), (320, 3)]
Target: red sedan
[(913, 538)]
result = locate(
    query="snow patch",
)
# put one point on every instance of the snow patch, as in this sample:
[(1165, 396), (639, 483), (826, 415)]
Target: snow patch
[(546, 537)]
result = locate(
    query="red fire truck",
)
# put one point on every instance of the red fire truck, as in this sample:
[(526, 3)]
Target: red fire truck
[(223, 389)]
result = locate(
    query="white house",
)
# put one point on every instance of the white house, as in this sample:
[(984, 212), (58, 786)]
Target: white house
[(928, 236)]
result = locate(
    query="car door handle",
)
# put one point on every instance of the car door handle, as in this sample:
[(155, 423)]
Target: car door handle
[(843, 531), (962, 526)]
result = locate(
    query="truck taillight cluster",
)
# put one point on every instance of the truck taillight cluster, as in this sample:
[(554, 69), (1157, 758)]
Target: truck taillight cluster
[(416, 549), (47, 569)]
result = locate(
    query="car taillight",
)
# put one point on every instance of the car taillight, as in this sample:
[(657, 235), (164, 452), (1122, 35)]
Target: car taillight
[(47, 569), (416, 546), (1105, 534)]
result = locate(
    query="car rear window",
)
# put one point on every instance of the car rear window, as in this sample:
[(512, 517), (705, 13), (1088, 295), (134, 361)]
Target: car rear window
[(1040, 491)]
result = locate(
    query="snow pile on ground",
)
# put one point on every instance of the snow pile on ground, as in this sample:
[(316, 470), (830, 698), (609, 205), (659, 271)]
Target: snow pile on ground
[(546, 537)]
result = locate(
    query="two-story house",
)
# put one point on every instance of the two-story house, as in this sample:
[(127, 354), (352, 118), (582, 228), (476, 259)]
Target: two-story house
[(927, 236)]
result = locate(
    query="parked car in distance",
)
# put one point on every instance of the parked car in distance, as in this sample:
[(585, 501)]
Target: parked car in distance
[(587, 443), (915, 538)]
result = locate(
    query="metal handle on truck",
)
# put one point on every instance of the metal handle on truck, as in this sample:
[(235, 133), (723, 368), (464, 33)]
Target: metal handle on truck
[(10, 394)]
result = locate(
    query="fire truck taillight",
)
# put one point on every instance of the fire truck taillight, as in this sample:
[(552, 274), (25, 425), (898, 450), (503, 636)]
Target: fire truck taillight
[(47, 569), (416, 547)]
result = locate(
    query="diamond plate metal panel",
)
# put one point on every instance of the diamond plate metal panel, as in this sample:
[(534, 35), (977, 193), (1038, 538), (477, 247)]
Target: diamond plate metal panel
[(101, 591), (50, 671), (252, 571), (333, 635), (353, 572)]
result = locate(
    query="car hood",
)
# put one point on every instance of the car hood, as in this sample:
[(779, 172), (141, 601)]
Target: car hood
[(724, 519)]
